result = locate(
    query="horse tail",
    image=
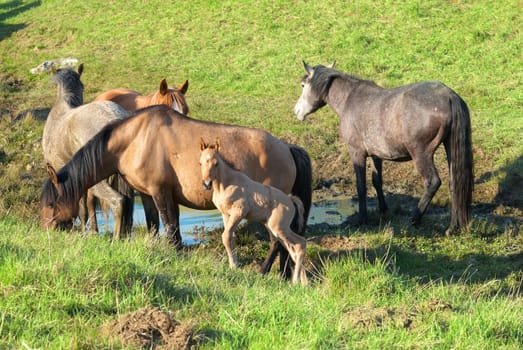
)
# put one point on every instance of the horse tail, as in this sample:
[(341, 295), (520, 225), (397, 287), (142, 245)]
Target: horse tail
[(298, 220), (302, 187), (461, 163)]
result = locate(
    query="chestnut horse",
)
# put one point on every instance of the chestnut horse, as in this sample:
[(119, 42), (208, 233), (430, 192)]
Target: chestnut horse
[(156, 152), (69, 125), (238, 197), (132, 100), (399, 124)]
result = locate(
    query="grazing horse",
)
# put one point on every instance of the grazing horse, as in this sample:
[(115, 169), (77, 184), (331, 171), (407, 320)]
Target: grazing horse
[(132, 100), (400, 124), (70, 124), (238, 197), (156, 152)]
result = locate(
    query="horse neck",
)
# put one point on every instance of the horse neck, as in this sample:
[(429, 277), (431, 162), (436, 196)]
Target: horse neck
[(90, 165), (224, 175), (70, 98), (340, 90)]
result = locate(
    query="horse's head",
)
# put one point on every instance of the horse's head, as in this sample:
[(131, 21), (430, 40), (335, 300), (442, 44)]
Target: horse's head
[(312, 95), (70, 87), (209, 162), (54, 211), (173, 98)]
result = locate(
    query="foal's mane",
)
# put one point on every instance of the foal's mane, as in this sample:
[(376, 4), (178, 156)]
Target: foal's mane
[(72, 88), (323, 77), (83, 167)]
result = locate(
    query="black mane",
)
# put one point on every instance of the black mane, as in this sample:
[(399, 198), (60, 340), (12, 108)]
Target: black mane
[(323, 77), (72, 88), (84, 166)]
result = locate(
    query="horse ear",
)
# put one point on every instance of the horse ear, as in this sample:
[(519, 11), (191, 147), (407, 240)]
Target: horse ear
[(332, 65), (202, 144), (183, 87), (308, 68), (80, 69), (53, 70), (52, 175), (163, 86), (217, 144)]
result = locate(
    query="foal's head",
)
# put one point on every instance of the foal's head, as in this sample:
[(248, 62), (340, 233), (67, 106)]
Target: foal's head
[(209, 159), (54, 209), (315, 86), (173, 98)]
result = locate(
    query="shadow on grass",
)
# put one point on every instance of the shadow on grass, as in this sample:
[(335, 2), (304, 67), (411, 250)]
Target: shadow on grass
[(12, 9)]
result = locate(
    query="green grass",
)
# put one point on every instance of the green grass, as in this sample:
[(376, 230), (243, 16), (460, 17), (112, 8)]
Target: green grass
[(391, 286), (58, 290)]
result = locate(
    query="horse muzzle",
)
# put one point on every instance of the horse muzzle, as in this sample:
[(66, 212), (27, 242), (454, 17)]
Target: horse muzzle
[(207, 185)]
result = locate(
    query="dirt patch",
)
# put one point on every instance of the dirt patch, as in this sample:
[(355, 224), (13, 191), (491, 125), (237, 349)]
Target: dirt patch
[(368, 317), (377, 317), (335, 243), (151, 328)]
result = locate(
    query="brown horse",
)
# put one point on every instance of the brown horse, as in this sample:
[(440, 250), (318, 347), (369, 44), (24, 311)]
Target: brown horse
[(156, 152), (400, 124), (132, 100), (69, 125), (238, 197)]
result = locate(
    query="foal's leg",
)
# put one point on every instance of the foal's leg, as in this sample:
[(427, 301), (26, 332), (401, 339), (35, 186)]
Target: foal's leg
[(431, 182), (377, 182), (230, 223), (296, 246), (358, 161)]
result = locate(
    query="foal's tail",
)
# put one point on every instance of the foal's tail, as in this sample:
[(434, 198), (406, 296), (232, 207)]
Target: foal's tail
[(302, 187), (298, 219), (461, 163)]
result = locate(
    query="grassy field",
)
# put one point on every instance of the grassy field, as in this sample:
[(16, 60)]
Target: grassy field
[(385, 286)]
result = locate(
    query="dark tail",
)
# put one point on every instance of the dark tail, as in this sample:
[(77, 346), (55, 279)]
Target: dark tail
[(461, 164), (302, 187)]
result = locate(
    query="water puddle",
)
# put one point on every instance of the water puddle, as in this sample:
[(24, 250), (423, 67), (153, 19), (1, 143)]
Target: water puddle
[(193, 222)]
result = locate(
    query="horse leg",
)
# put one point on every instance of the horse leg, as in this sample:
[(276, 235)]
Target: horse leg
[(377, 182), (170, 214), (358, 161), (151, 214), (105, 192), (230, 223), (83, 213), (296, 246), (431, 183), (91, 210)]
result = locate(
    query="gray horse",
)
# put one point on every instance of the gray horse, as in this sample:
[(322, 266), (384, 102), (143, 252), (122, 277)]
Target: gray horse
[(70, 124), (400, 124)]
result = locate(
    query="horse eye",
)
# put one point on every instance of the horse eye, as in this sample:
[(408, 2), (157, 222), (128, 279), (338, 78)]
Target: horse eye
[(302, 84)]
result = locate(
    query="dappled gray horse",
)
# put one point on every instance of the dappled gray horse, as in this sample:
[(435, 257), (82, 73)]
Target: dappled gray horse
[(70, 124), (400, 124)]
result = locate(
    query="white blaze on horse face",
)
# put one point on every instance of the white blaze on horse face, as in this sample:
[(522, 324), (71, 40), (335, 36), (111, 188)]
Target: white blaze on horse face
[(303, 107), (176, 107)]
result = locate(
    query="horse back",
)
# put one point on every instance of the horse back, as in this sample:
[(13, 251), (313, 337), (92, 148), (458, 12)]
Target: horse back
[(160, 145), (392, 123), (128, 99)]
